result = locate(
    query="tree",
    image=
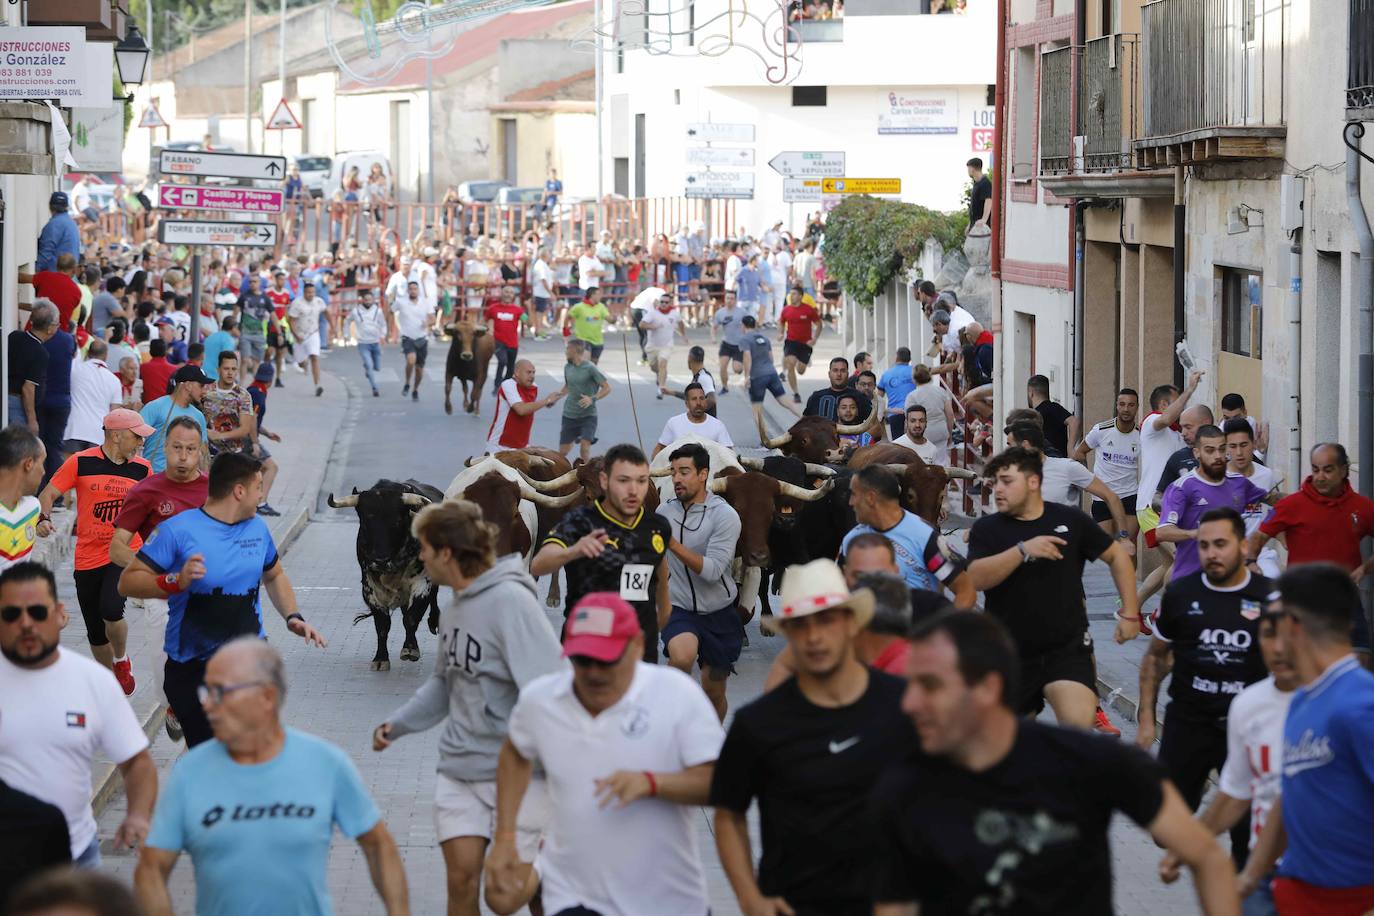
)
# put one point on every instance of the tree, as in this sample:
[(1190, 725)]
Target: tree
[(868, 240)]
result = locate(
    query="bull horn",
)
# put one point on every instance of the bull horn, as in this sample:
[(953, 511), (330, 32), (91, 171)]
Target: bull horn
[(819, 470), (778, 442), (896, 467), (802, 493), (857, 428), (549, 486), (544, 499), (754, 464), (347, 502), (960, 473), (719, 484), (539, 461), (661, 472), (415, 500)]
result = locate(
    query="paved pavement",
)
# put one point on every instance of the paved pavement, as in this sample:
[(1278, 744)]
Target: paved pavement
[(333, 693)]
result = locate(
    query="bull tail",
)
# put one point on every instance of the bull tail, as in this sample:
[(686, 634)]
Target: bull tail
[(361, 617)]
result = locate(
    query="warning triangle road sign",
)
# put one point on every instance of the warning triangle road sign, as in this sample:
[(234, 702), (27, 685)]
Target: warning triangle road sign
[(151, 117), (283, 118)]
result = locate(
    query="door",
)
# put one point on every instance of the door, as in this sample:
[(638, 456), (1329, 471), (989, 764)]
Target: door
[(509, 154), (1023, 350), (639, 156)]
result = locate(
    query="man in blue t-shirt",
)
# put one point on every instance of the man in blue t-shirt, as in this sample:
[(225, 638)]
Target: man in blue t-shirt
[(1326, 797), (924, 560), (895, 384), (256, 808), (188, 385), (209, 563)]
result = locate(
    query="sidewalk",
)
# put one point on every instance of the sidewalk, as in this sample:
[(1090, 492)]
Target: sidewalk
[(307, 425)]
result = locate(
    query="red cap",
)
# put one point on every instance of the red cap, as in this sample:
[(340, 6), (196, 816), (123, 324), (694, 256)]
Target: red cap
[(600, 627), (124, 418)]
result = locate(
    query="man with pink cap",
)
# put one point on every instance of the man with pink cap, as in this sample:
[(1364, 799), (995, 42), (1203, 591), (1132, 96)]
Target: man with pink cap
[(628, 747)]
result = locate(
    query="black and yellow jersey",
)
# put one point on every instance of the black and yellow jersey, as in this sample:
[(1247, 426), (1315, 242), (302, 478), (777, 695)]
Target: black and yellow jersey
[(629, 564)]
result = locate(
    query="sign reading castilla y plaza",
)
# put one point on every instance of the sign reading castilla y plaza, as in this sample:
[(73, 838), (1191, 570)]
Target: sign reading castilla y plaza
[(55, 63)]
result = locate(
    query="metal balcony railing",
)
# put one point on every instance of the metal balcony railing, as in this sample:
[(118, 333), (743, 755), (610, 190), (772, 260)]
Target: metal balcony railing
[(1056, 127), (1211, 64), (1359, 96), (1108, 115)]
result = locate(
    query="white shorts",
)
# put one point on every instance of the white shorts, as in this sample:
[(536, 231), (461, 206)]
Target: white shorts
[(469, 809), (310, 346), (660, 353)]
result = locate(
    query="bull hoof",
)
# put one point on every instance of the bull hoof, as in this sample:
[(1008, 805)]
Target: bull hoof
[(433, 627), (381, 664), (410, 655), (448, 408)]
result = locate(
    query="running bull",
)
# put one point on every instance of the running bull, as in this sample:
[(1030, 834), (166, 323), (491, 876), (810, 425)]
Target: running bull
[(389, 556)]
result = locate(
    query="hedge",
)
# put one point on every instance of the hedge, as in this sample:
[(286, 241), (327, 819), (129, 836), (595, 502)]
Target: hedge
[(868, 241)]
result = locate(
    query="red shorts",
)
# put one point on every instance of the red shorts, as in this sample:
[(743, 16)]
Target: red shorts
[(1298, 898)]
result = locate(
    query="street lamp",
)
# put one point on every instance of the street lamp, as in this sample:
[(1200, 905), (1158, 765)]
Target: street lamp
[(131, 56)]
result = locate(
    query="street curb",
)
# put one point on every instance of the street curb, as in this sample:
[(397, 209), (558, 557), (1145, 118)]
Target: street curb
[(1116, 698)]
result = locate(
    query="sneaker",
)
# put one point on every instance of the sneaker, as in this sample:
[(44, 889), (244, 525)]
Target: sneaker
[(267, 510), (124, 673), (319, 390), (172, 725), (659, 395), (725, 390), (796, 398), (376, 393), (1103, 726), (278, 384), (415, 395), (405, 390)]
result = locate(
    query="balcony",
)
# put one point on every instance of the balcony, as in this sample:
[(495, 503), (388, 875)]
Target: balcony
[(1359, 96), (1056, 137), (813, 30), (1212, 81), (1108, 114)]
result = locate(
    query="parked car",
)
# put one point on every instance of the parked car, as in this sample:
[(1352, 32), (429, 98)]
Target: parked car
[(314, 172), (364, 160), (480, 193), (518, 208)]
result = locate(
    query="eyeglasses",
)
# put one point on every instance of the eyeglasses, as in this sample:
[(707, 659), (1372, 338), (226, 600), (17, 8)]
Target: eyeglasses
[(37, 612), (215, 692)]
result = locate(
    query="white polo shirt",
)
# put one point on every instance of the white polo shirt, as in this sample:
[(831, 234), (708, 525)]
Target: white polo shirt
[(1062, 479), (53, 722), (641, 858), (682, 425)]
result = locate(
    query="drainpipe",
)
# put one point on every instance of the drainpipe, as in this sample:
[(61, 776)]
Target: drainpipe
[(1180, 265), (1364, 293), (1079, 306), (999, 406), (1295, 358)]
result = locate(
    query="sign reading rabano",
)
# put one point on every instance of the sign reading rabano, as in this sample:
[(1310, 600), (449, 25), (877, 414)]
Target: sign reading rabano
[(918, 111)]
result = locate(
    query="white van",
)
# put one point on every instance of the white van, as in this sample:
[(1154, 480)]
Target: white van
[(344, 162)]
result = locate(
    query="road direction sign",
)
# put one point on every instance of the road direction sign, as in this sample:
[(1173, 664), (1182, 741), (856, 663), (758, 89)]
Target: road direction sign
[(151, 117), (736, 156), (794, 164), (283, 118), (192, 232), (861, 185), (715, 132), (716, 184), (801, 190), (244, 200), (221, 165)]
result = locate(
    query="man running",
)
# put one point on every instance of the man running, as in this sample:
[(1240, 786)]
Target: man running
[(799, 329), (1001, 814), (188, 388), (588, 321), (21, 473), (758, 368), (304, 316), (517, 400), (256, 317), (730, 319), (102, 477), (700, 375), (704, 626), (209, 564), (810, 751), (695, 421), (663, 323), (614, 545), (1240, 462), (1208, 623), (505, 316), (894, 385), (493, 641), (914, 437), (585, 385), (1028, 560), (1117, 443), (1159, 439), (413, 319), (1064, 479)]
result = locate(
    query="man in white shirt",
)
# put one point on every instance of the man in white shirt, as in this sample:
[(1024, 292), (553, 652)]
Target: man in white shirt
[(779, 265), (1241, 448), (662, 324), (59, 710), (395, 290), (1063, 478), (424, 274), (628, 749), (1117, 443), (915, 436), (590, 270), (733, 264), (413, 318), (542, 290), (95, 392), (304, 315), (696, 421)]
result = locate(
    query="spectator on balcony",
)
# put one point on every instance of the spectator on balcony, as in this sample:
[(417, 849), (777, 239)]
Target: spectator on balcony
[(59, 236), (980, 198)]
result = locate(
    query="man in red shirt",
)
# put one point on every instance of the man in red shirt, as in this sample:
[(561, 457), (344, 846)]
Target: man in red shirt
[(156, 372), (516, 402), (505, 317), (800, 325), (1325, 520), (58, 286)]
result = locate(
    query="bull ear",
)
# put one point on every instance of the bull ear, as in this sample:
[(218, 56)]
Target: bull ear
[(355, 491)]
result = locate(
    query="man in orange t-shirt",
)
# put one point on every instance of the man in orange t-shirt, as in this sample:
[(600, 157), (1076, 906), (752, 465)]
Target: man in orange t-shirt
[(101, 477)]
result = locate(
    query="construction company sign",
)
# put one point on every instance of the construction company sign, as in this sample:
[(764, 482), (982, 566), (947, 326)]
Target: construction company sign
[(918, 111), (57, 64)]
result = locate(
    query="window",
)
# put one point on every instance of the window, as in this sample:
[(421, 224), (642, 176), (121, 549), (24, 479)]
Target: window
[(808, 96), (1023, 111), (1242, 312)]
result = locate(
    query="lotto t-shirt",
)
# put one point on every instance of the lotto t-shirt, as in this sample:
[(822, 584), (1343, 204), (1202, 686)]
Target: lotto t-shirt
[(224, 603), (589, 322), (101, 485), (157, 498), (18, 529), (259, 835)]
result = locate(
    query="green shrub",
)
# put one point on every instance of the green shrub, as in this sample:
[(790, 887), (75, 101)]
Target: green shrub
[(868, 241)]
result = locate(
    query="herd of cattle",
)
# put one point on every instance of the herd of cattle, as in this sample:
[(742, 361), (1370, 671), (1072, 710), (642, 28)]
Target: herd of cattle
[(793, 507)]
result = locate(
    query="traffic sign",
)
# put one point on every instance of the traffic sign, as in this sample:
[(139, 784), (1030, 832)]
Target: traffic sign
[(801, 190), (151, 117), (221, 165), (737, 156), (244, 200), (283, 118), (861, 185), (715, 132), (192, 232), (793, 164), (715, 184)]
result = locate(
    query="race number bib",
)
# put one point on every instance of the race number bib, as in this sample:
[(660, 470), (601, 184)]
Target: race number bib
[(634, 581)]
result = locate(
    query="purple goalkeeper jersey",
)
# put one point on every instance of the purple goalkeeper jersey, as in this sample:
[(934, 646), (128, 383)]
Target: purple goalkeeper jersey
[(1189, 498)]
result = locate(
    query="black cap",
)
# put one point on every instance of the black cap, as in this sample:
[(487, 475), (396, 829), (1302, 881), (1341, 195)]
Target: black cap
[(748, 321), (191, 373)]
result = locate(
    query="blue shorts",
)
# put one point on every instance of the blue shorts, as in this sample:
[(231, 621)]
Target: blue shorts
[(720, 636), (541, 304), (764, 384)]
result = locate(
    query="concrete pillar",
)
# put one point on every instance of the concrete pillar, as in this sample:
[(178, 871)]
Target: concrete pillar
[(1129, 323), (1101, 334), (1156, 317)]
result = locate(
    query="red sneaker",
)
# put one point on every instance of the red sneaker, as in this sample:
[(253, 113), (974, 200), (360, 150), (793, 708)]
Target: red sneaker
[(124, 673), (1104, 726)]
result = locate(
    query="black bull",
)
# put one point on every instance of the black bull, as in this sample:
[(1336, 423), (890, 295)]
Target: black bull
[(389, 558)]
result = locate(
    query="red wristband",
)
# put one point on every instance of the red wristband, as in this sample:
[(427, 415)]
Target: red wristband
[(168, 583), (653, 783)]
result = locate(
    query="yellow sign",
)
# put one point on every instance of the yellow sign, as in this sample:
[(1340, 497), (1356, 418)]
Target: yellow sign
[(861, 185)]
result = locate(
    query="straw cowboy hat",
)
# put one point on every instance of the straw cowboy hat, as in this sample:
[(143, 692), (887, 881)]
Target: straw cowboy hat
[(814, 587)]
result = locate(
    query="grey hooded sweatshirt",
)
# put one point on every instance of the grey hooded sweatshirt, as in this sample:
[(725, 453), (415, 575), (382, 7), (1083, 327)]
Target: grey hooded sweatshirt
[(493, 640), (712, 530)]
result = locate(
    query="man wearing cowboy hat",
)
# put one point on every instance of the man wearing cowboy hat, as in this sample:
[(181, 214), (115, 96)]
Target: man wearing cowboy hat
[(809, 751)]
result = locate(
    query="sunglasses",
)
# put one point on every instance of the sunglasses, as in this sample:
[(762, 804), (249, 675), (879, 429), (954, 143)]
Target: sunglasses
[(586, 661), (37, 612)]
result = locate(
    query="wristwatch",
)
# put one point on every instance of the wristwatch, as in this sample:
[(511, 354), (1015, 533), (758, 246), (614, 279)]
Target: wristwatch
[(1021, 546), (291, 617), (1123, 535)]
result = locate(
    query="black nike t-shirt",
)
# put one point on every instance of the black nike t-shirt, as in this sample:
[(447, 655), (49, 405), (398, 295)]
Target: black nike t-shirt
[(1026, 837), (629, 564), (1041, 602), (1056, 420), (826, 403), (1215, 637), (811, 769)]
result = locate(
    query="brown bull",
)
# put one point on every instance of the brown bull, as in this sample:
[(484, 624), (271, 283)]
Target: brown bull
[(469, 357), (758, 499), (812, 439), (499, 500), (923, 485)]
